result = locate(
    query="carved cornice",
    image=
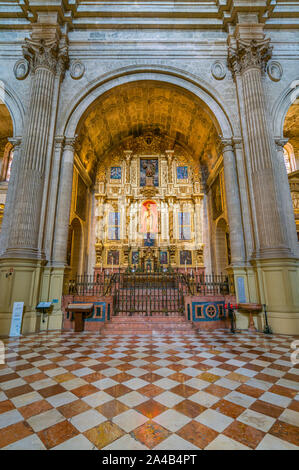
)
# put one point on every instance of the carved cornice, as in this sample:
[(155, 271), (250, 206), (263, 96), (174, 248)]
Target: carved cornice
[(70, 143), (50, 54), (226, 145), (249, 54)]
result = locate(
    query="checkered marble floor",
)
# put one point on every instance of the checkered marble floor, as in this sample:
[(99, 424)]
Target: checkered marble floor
[(212, 390)]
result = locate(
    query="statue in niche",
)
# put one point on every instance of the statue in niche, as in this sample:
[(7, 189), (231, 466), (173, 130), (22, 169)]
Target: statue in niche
[(149, 172)]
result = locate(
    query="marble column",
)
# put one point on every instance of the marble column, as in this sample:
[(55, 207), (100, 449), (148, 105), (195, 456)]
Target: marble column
[(43, 55), (11, 190), (53, 193), (282, 183), (244, 198), (247, 58), (236, 231), (64, 204)]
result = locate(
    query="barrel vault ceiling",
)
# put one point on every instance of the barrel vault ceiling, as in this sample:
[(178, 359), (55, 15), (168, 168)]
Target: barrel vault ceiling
[(134, 109)]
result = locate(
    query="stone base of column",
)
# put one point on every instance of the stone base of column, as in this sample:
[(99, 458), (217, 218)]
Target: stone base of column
[(28, 281), (52, 286), (270, 253), (19, 282), (278, 281), (23, 253), (246, 291)]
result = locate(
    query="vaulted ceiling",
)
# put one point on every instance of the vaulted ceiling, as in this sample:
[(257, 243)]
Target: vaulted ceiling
[(291, 123), (134, 109), (6, 128)]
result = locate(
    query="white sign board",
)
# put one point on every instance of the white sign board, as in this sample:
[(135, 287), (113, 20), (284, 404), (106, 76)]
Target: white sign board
[(16, 321)]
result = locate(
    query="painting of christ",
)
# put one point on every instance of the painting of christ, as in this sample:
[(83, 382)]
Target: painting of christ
[(149, 217)]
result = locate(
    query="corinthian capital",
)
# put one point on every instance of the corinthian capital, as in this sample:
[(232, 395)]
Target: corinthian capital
[(49, 53), (247, 54)]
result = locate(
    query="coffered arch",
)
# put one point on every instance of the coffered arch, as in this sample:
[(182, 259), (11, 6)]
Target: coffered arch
[(207, 96)]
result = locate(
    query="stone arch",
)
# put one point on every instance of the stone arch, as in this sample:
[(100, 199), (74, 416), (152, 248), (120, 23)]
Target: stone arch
[(221, 245), (203, 91), (282, 105), (14, 106)]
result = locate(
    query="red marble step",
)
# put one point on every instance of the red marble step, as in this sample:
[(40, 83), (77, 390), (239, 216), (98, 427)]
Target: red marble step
[(139, 318), (133, 328)]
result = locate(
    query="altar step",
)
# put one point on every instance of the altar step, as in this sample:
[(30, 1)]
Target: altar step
[(121, 325)]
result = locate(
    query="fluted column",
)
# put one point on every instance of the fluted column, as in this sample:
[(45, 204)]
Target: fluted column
[(236, 231), (53, 193), (11, 190), (282, 183), (64, 203), (247, 59), (44, 56)]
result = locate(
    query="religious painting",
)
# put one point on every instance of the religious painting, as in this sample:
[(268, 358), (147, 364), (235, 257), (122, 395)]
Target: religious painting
[(149, 172), (149, 217), (81, 198), (182, 172), (163, 257), (149, 239), (115, 173), (184, 226), (113, 257), (217, 199), (113, 226), (185, 257), (135, 257)]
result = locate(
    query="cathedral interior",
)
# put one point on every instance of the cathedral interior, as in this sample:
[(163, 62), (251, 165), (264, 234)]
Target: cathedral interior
[(149, 225), (148, 184)]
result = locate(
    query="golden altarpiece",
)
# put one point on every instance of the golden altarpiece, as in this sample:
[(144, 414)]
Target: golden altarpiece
[(148, 201)]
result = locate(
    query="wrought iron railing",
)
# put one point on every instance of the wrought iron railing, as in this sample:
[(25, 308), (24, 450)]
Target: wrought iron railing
[(107, 283)]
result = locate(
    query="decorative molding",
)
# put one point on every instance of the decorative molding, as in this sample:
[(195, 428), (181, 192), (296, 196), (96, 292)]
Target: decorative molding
[(274, 70), (77, 69), (218, 70), (249, 54), (21, 69), (48, 54)]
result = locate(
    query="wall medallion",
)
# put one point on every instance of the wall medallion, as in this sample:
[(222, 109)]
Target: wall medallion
[(21, 69), (218, 70), (274, 70), (77, 69)]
